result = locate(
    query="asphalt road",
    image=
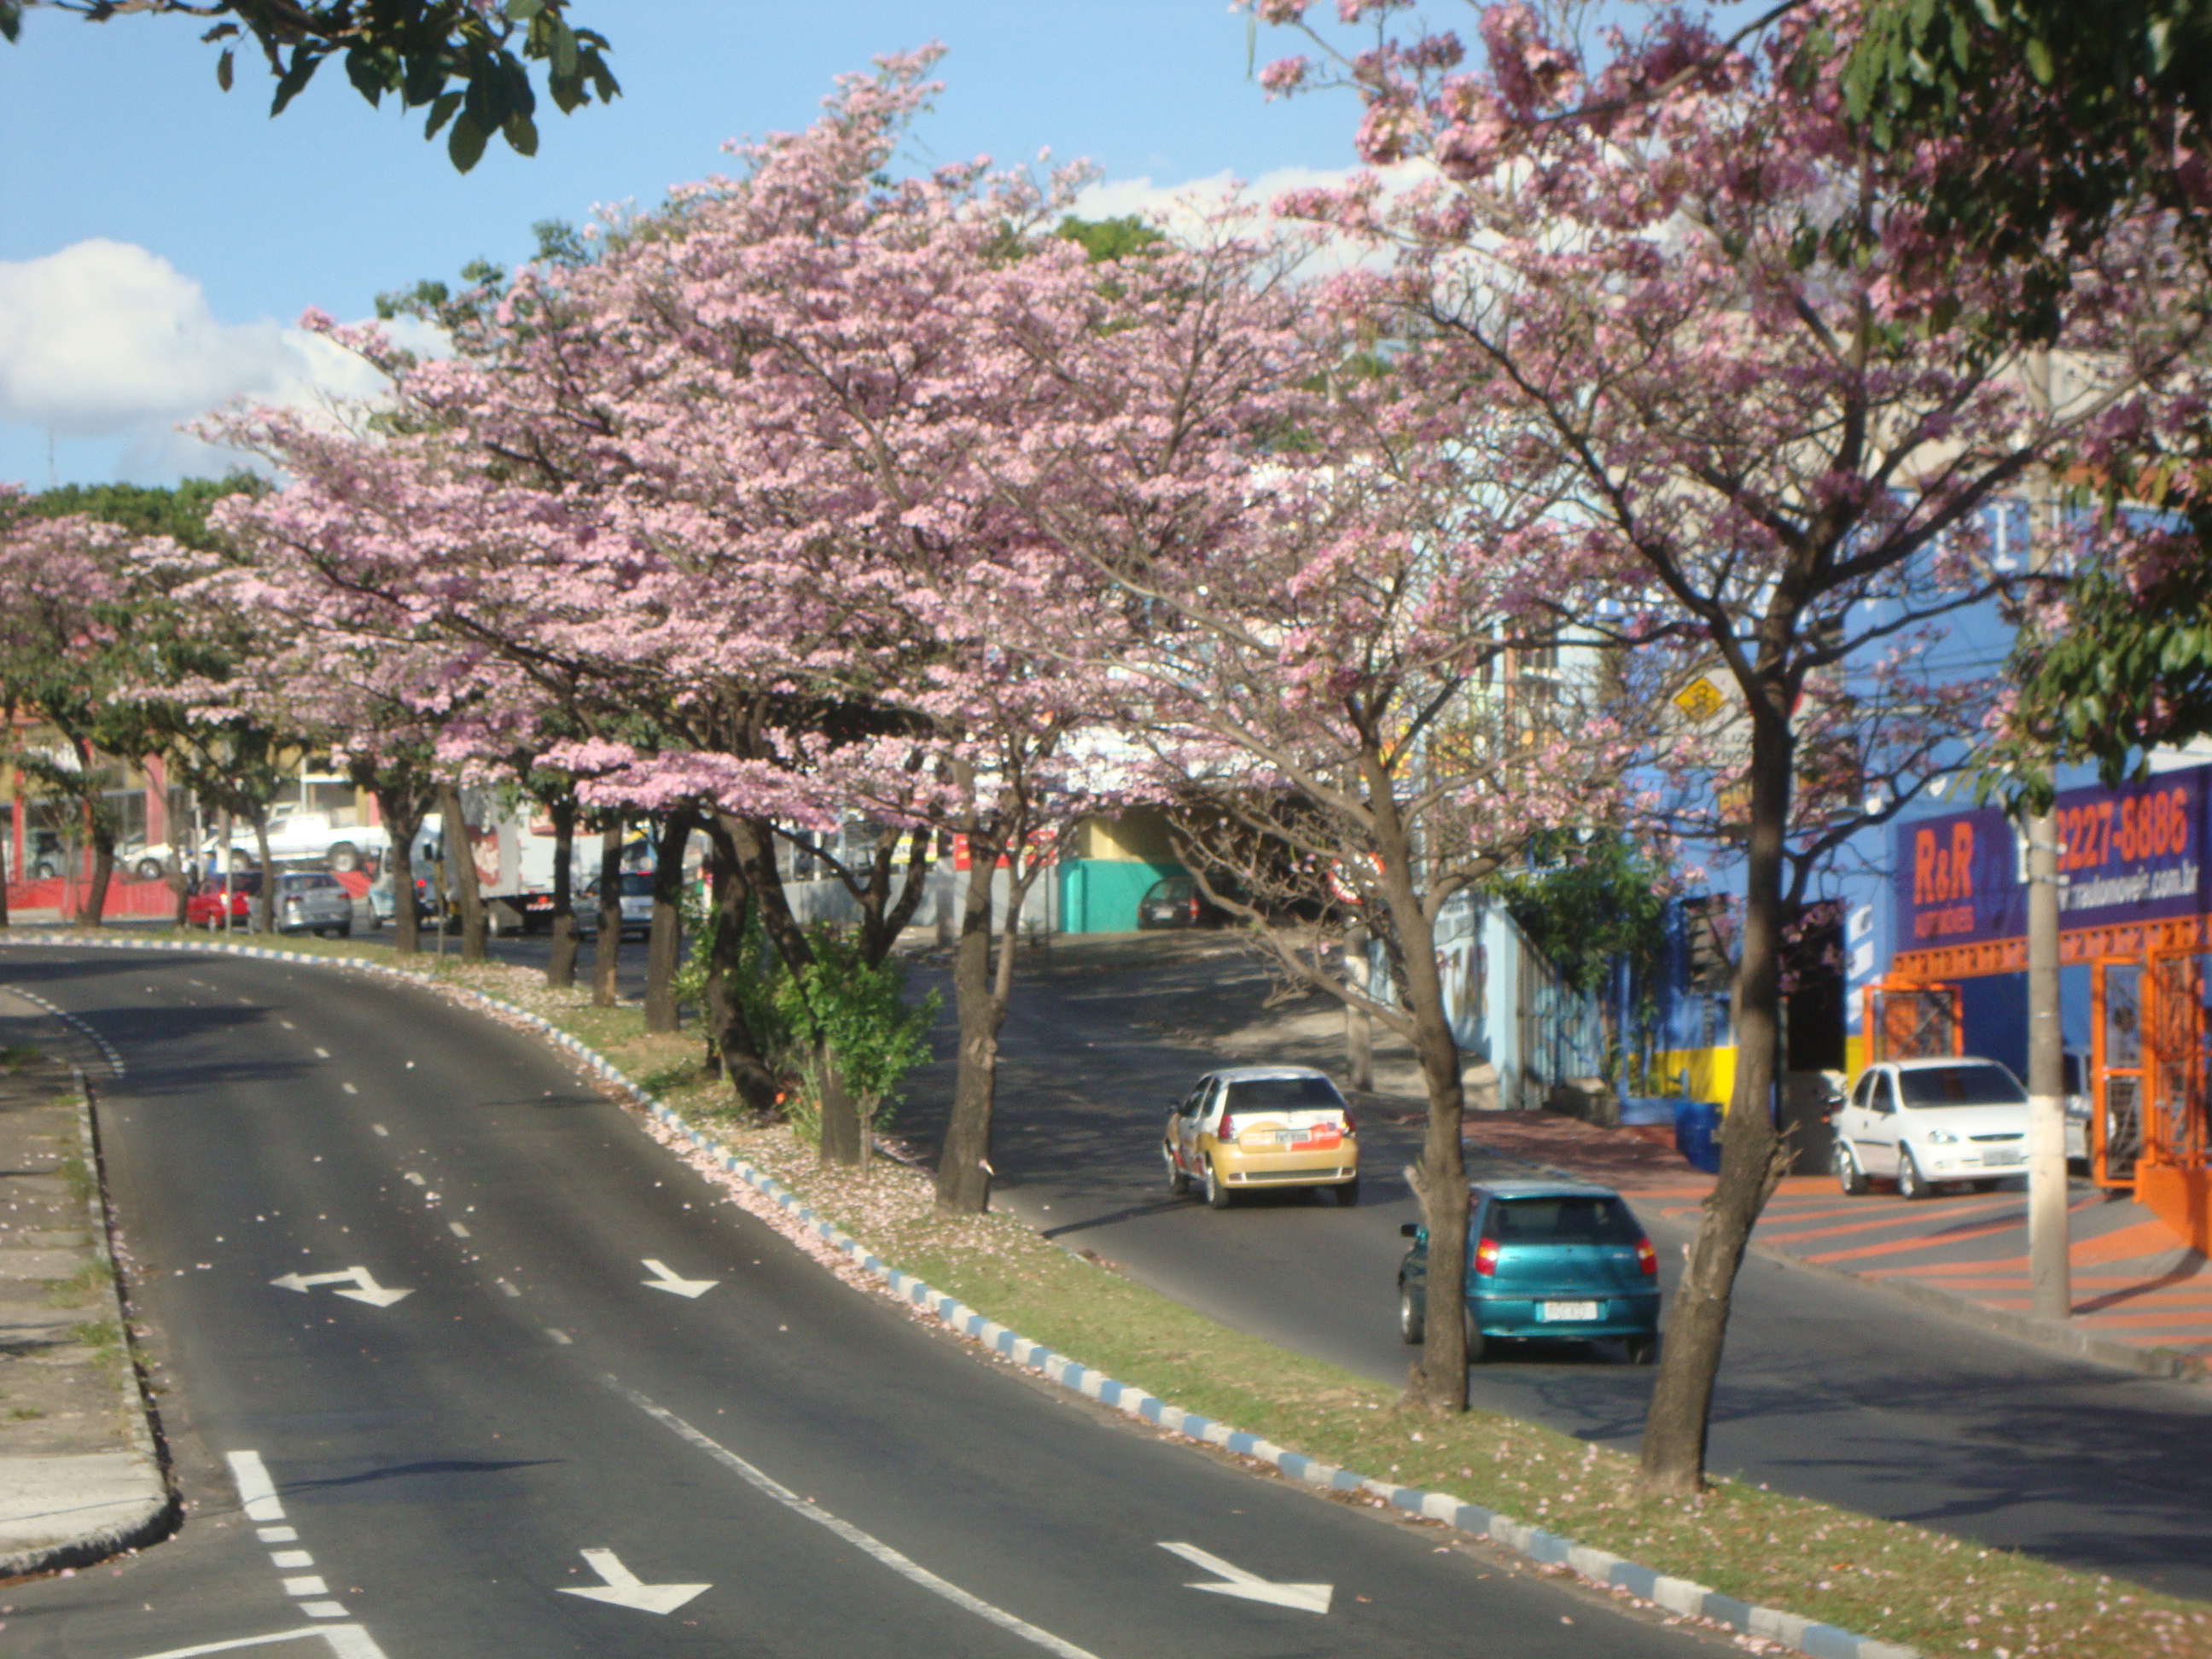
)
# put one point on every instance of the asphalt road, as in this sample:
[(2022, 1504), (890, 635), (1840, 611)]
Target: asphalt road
[(835, 1477), (1834, 1390)]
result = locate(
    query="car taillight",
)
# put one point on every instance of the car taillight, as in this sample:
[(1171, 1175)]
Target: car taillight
[(1193, 907), (1227, 1131), (1647, 1258), (1350, 1127), (1486, 1256)]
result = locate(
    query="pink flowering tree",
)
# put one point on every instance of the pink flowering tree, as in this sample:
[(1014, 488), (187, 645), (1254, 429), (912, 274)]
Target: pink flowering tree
[(1775, 409), (1336, 647)]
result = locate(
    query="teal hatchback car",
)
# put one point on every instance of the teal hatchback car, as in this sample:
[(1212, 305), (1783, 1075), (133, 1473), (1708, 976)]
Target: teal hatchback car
[(1546, 1260)]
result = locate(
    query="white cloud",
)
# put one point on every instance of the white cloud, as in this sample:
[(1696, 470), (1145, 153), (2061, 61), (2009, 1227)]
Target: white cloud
[(107, 340), (105, 336), (1184, 202)]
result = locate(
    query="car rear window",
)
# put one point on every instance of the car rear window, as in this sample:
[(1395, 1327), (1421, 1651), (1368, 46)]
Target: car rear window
[(1982, 1084), (636, 883), (303, 884), (1564, 1219), (1285, 1094)]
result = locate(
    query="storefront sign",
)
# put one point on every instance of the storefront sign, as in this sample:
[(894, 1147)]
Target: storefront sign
[(2134, 854)]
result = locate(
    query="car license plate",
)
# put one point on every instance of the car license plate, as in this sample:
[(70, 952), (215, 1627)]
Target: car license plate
[(1557, 1313), (2002, 1155)]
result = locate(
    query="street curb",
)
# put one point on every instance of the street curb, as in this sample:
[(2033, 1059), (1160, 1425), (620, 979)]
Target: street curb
[(2164, 1364), (159, 1515), (1677, 1596)]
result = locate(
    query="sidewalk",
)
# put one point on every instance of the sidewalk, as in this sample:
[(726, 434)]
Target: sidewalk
[(79, 1475), (2141, 1298)]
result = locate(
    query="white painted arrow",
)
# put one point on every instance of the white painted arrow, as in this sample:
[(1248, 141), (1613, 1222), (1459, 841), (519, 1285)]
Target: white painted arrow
[(365, 1289), (625, 1589), (664, 1281), (1306, 1598)]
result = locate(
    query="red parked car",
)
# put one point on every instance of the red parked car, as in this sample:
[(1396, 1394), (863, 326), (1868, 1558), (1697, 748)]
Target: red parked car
[(204, 908)]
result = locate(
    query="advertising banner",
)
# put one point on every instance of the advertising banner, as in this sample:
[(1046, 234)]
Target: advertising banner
[(2134, 854)]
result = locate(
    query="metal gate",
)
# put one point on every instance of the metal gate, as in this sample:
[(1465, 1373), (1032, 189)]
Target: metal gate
[(2174, 1127), (2115, 1057), (1912, 1022)]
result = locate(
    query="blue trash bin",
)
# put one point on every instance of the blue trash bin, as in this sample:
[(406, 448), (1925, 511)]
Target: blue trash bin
[(1697, 1134)]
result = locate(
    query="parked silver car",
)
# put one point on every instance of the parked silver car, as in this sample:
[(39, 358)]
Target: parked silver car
[(636, 906), (312, 902)]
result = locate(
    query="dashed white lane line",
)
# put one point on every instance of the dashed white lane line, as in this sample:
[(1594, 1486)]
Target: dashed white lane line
[(349, 1088), (380, 1128), (322, 1054), (560, 1337), (288, 1025), (457, 1230), (258, 1493), (903, 1565)]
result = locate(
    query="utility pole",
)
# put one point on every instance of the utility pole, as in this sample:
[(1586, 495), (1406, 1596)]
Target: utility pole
[(2049, 1264), (1358, 1023)]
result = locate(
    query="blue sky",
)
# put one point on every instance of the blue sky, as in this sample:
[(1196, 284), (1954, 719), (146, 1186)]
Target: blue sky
[(158, 236)]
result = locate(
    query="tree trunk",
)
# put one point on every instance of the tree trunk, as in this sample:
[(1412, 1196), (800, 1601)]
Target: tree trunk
[(963, 1167), (402, 821), (664, 950), (561, 964), (735, 1043), (1754, 1156), (606, 944), (1358, 1023), (884, 917), (103, 868), (264, 897), (841, 1113), (1438, 1379), (461, 873)]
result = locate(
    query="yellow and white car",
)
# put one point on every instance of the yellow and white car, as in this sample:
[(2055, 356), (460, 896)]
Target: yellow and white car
[(1261, 1125)]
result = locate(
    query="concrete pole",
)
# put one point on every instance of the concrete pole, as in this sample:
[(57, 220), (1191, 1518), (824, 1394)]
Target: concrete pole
[(1358, 1023), (2049, 1266)]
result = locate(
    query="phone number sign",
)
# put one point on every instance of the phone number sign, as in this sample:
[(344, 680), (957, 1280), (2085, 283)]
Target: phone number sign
[(2134, 854)]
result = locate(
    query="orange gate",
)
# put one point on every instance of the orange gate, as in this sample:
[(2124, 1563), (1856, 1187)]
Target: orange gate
[(2171, 1176)]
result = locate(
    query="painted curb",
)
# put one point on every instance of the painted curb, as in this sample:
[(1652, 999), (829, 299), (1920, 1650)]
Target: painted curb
[(1677, 1596), (161, 1511)]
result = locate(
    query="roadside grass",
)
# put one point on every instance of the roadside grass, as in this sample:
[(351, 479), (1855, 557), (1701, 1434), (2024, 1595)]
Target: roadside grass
[(16, 1055), (1900, 1583)]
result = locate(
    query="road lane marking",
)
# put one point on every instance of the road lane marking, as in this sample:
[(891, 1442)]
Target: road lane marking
[(458, 1230), (346, 1642), (663, 1279), (508, 1288), (255, 1489), (624, 1588), (349, 1088), (905, 1567), (1308, 1598), (365, 1289), (258, 1493), (380, 1128), (561, 1337)]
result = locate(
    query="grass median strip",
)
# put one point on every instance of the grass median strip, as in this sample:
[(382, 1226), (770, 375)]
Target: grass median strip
[(1889, 1580)]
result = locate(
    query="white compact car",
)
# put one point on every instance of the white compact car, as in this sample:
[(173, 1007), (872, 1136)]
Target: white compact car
[(1927, 1123)]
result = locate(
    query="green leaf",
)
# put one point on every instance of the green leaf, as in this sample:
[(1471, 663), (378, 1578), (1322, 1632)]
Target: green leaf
[(295, 81), (465, 147), (564, 50), (2039, 63), (441, 112), (521, 11), (368, 74), (12, 19), (222, 70), (521, 134)]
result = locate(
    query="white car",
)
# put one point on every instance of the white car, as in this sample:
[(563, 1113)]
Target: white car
[(1927, 1123)]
